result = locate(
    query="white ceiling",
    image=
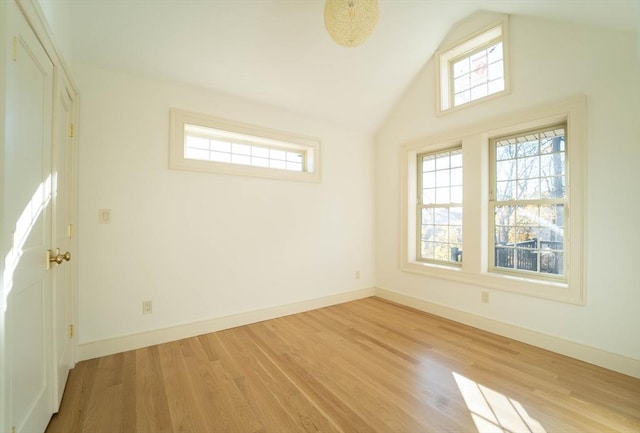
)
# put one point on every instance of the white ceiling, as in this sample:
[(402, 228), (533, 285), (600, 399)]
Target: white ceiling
[(277, 51)]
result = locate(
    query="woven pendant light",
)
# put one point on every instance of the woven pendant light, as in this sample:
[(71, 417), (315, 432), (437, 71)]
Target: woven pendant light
[(350, 22)]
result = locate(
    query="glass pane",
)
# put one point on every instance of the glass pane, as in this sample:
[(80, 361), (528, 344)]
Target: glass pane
[(552, 164), (504, 257), (294, 157), (428, 163), (278, 154), (495, 52), (495, 70), (528, 167), (456, 176), (456, 194), (527, 259), (197, 143), (505, 151), (455, 215), (428, 195), (506, 169), (479, 91), (527, 148), (427, 216), (442, 195), (191, 153), (241, 159), (456, 159), (442, 178), (261, 152), (441, 215), (506, 190), (220, 157), (427, 249), (528, 189), (275, 163), (496, 85), (552, 187), (455, 234), (442, 161), (427, 233), (220, 146), (241, 149), (441, 251), (461, 84), (429, 179), (259, 162), (294, 166), (461, 67), (462, 98)]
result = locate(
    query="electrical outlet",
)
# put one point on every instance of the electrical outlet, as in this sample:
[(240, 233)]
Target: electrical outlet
[(147, 307), (357, 275), (484, 297)]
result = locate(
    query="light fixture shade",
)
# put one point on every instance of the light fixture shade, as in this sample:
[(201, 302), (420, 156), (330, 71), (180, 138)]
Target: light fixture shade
[(350, 22)]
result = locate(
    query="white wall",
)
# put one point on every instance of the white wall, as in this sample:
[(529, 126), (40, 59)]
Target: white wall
[(58, 18), (550, 61), (201, 245)]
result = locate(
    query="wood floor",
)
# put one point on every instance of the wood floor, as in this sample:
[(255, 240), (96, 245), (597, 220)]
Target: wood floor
[(363, 366)]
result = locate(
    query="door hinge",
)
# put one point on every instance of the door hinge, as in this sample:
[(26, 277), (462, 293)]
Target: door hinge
[(70, 231), (14, 54), (71, 130), (70, 331)]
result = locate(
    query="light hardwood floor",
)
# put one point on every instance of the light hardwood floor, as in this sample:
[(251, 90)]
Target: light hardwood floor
[(362, 366)]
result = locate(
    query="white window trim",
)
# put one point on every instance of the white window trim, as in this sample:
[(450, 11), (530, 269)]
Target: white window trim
[(475, 147), (310, 146), (445, 55)]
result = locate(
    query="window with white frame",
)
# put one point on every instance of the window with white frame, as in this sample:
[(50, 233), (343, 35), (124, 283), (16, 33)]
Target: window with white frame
[(440, 206), (523, 203), (473, 69), (528, 199), (204, 143)]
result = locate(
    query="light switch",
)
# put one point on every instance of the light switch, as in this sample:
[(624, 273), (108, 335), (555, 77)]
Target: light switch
[(104, 216)]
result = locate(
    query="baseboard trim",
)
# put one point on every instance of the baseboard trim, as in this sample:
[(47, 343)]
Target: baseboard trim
[(110, 346), (602, 358)]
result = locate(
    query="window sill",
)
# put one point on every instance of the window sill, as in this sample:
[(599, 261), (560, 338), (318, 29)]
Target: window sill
[(545, 289)]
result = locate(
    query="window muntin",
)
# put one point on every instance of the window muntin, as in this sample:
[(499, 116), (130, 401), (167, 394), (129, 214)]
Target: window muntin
[(439, 207), (477, 74), (528, 201)]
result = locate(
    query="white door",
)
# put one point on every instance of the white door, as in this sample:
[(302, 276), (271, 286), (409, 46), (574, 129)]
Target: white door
[(27, 205), (63, 196)]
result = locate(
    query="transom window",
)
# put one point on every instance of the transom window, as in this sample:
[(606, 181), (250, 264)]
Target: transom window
[(440, 206), (473, 69), (210, 144), (204, 143), (528, 197)]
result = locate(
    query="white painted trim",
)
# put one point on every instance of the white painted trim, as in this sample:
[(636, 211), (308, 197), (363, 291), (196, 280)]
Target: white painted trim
[(592, 355), (110, 346)]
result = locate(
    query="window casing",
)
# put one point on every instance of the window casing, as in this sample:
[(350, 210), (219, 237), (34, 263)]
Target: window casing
[(479, 207), (439, 209), (474, 69), (203, 143)]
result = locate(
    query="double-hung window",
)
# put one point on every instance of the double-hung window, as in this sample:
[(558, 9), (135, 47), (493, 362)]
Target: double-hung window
[(440, 206), (528, 202), (519, 200)]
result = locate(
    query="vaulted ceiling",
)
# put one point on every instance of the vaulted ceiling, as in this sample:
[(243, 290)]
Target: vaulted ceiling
[(277, 51)]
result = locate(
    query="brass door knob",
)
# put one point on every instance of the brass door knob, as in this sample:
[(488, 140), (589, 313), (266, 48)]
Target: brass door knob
[(58, 257)]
